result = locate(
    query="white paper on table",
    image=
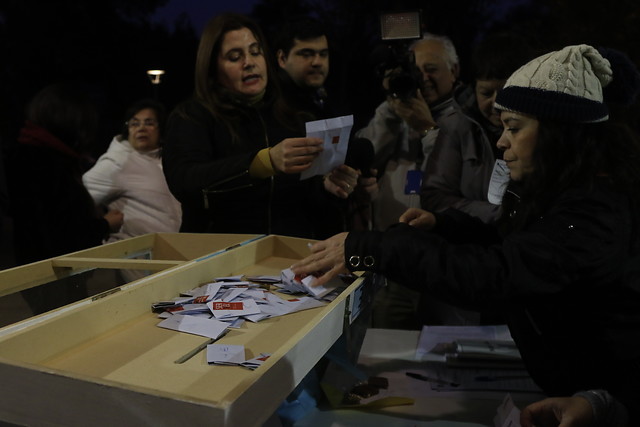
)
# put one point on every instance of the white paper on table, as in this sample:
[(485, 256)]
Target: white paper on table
[(256, 294), (233, 323), (210, 289), (335, 133), (322, 290), (238, 284), (293, 284), (210, 328), (276, 306), (225, 354), (232, 294), (256, 361), (431, 336), (255, 318), (189, 309), (239, 308), (508, 414), (304, 303)]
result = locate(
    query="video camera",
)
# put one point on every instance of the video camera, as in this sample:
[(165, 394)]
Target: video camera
[(393, 59)]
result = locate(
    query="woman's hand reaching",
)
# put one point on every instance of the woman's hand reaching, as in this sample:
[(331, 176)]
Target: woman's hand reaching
[(327, 257)]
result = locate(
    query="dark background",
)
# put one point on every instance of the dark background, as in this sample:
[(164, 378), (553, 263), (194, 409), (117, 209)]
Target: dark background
[(109, 45)]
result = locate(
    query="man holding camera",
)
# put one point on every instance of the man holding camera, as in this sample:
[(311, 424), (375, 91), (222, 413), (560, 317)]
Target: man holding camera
[(403, 131)]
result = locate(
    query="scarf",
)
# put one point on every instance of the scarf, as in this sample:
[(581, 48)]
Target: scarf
[(32, 134)]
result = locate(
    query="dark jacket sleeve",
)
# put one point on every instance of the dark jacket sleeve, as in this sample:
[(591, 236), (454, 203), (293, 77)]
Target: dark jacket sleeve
[(581, 238)]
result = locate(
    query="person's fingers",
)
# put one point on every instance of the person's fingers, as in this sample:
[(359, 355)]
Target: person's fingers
[(310, 264), (326, 277)]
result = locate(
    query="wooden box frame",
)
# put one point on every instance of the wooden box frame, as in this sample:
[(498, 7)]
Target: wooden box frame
[(103, 361)]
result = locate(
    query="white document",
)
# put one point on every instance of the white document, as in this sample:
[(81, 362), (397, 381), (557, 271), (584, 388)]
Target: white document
[(232, 294), (433, 337), (225, 354), (335, 133), (507, 415), (295, 284), (202, 290), (210, 328), (256, 362), (190, 309), (500, 178)]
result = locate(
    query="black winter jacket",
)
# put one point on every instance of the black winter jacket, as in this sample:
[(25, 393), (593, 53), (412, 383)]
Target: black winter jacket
[(568, 284), (208, 172)]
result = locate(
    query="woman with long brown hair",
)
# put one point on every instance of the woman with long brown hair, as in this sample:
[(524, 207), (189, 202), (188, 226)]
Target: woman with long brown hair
[(234, 151)]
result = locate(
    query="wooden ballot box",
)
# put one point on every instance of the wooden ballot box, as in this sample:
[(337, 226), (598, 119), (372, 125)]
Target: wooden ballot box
[(103, 361)]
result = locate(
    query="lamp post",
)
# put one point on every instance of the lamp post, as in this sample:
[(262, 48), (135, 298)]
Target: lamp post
[(154, 77)]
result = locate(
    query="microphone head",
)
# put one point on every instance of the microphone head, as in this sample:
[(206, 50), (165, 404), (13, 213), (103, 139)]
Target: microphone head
[(360, 154)]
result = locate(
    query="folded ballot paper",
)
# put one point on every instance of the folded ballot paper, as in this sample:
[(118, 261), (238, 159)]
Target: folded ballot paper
[(335, 133), (210, 309), (296, 284), (234, 355)]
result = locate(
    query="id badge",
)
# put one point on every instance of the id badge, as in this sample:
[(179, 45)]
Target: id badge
[(413, 182), (499, 180)]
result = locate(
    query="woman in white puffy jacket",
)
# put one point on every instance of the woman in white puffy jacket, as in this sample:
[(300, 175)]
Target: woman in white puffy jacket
[(129, 176)]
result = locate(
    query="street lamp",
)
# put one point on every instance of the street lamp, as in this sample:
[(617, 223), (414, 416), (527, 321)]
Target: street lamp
[(154, 76)]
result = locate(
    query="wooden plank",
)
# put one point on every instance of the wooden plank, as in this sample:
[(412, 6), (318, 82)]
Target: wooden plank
[(174, 248), (134, 264)]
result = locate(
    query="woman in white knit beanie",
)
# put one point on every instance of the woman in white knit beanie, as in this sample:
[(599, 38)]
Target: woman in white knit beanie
[(562, 267)]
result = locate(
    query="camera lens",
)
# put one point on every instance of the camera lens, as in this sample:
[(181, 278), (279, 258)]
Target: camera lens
[(402, 85)]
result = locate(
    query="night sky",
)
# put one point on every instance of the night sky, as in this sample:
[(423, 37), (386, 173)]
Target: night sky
[(200, 11)]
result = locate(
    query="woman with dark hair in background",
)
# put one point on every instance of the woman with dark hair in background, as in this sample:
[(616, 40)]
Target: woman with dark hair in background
[(232, 157), (53, 214), (129, 178)]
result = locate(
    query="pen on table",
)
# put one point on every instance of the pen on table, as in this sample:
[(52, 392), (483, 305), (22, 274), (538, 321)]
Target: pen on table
[(435, 380), (198, 349), (499, 377), (195, 351)]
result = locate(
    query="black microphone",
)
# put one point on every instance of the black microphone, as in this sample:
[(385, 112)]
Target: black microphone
[(360, 155)]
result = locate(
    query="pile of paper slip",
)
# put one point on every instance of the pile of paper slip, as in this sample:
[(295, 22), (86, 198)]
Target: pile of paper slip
[(227, 302), (295, 284)]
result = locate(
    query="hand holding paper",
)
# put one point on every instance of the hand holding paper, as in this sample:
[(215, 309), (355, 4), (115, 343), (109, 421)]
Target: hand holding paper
[(294, 155), (335, 134)]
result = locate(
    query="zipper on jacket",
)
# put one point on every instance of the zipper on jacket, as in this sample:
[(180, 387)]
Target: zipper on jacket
[(207, 191)]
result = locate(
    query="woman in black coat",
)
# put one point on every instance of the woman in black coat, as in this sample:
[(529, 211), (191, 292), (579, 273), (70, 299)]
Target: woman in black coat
[(234, 152), (562, 266)]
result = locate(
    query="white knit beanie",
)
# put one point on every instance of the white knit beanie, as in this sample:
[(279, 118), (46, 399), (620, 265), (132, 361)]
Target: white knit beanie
[(564, 85)]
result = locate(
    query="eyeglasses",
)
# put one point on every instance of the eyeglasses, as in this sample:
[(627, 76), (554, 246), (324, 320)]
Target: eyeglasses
[(151, 123)]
